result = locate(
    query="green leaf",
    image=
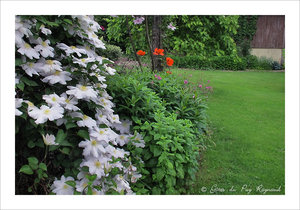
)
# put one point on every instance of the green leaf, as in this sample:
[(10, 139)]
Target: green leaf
[(40, 173), (71, 183), (26, 170), (84, 134), (29, 82), (65, 150), (77, 193), (89, 192), (70, 125), (156, 151), (91, 177), (31, 144), (33, 162), (60, 136), (160, 173), (68, 21), (20, 85), (18, 62), (43, 166), (53, 147)]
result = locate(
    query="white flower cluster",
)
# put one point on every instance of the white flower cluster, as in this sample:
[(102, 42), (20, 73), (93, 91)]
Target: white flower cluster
[(102, 149)]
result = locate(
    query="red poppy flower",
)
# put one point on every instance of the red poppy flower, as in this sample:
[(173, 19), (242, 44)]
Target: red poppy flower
[(158, 51), (141, 52), (170, 61)]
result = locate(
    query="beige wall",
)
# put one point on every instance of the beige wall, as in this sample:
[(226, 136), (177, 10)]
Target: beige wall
[(274, 54)]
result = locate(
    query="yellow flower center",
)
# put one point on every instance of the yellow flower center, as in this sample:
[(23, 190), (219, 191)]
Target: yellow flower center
[(83, 88), (53, 98), (85, 117), (97, 164), (94, 36), (57, 73), (30, 65), (104, 104), (30, 104), (83, 60), (49, 62), (66, 186), (102, 100), (67, 101), (101, 115), (122, 137), (27, 46), (101, 132), (94, 142), (47, 111), (44, 44), (114, 118), (73, 47), (87, 48)]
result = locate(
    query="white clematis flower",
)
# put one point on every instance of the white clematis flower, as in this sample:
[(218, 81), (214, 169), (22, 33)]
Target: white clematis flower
[(49, 66), (44, 48), (46, 113), (45, 30), (31, 68), (53, 99), (69, 102), (18, 104), (49, 139), (122, 139), (70, 50), (86, 122), (58, 77), (26, 49), (96, 165), (83, 61), (82, 92), (124, 127), (92, 147), (59, 187)]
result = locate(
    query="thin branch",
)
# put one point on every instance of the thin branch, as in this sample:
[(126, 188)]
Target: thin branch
[(132, 44)]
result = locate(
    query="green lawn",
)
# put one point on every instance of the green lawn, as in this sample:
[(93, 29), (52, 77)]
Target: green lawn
[(246, 114)]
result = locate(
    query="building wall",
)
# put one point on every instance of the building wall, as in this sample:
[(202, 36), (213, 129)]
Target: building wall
[(272, 53), (270, 32)]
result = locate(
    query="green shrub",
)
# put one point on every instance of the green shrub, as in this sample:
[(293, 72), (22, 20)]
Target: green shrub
[(170, 154), (263, 63), (168, 118), (112, 52), (216, 62)]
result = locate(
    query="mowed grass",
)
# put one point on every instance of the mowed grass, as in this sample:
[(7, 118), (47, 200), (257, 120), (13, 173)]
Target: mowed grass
[(246, 114)]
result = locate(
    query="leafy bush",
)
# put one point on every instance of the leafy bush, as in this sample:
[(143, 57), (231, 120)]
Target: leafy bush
[(112, 52), (170, 154), (254, 62), (68, 138), (276, 66), (170, 126), (216, 62)]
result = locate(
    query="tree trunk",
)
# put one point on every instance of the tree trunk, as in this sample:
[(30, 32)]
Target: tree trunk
[(157, 41), (149, 43)]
